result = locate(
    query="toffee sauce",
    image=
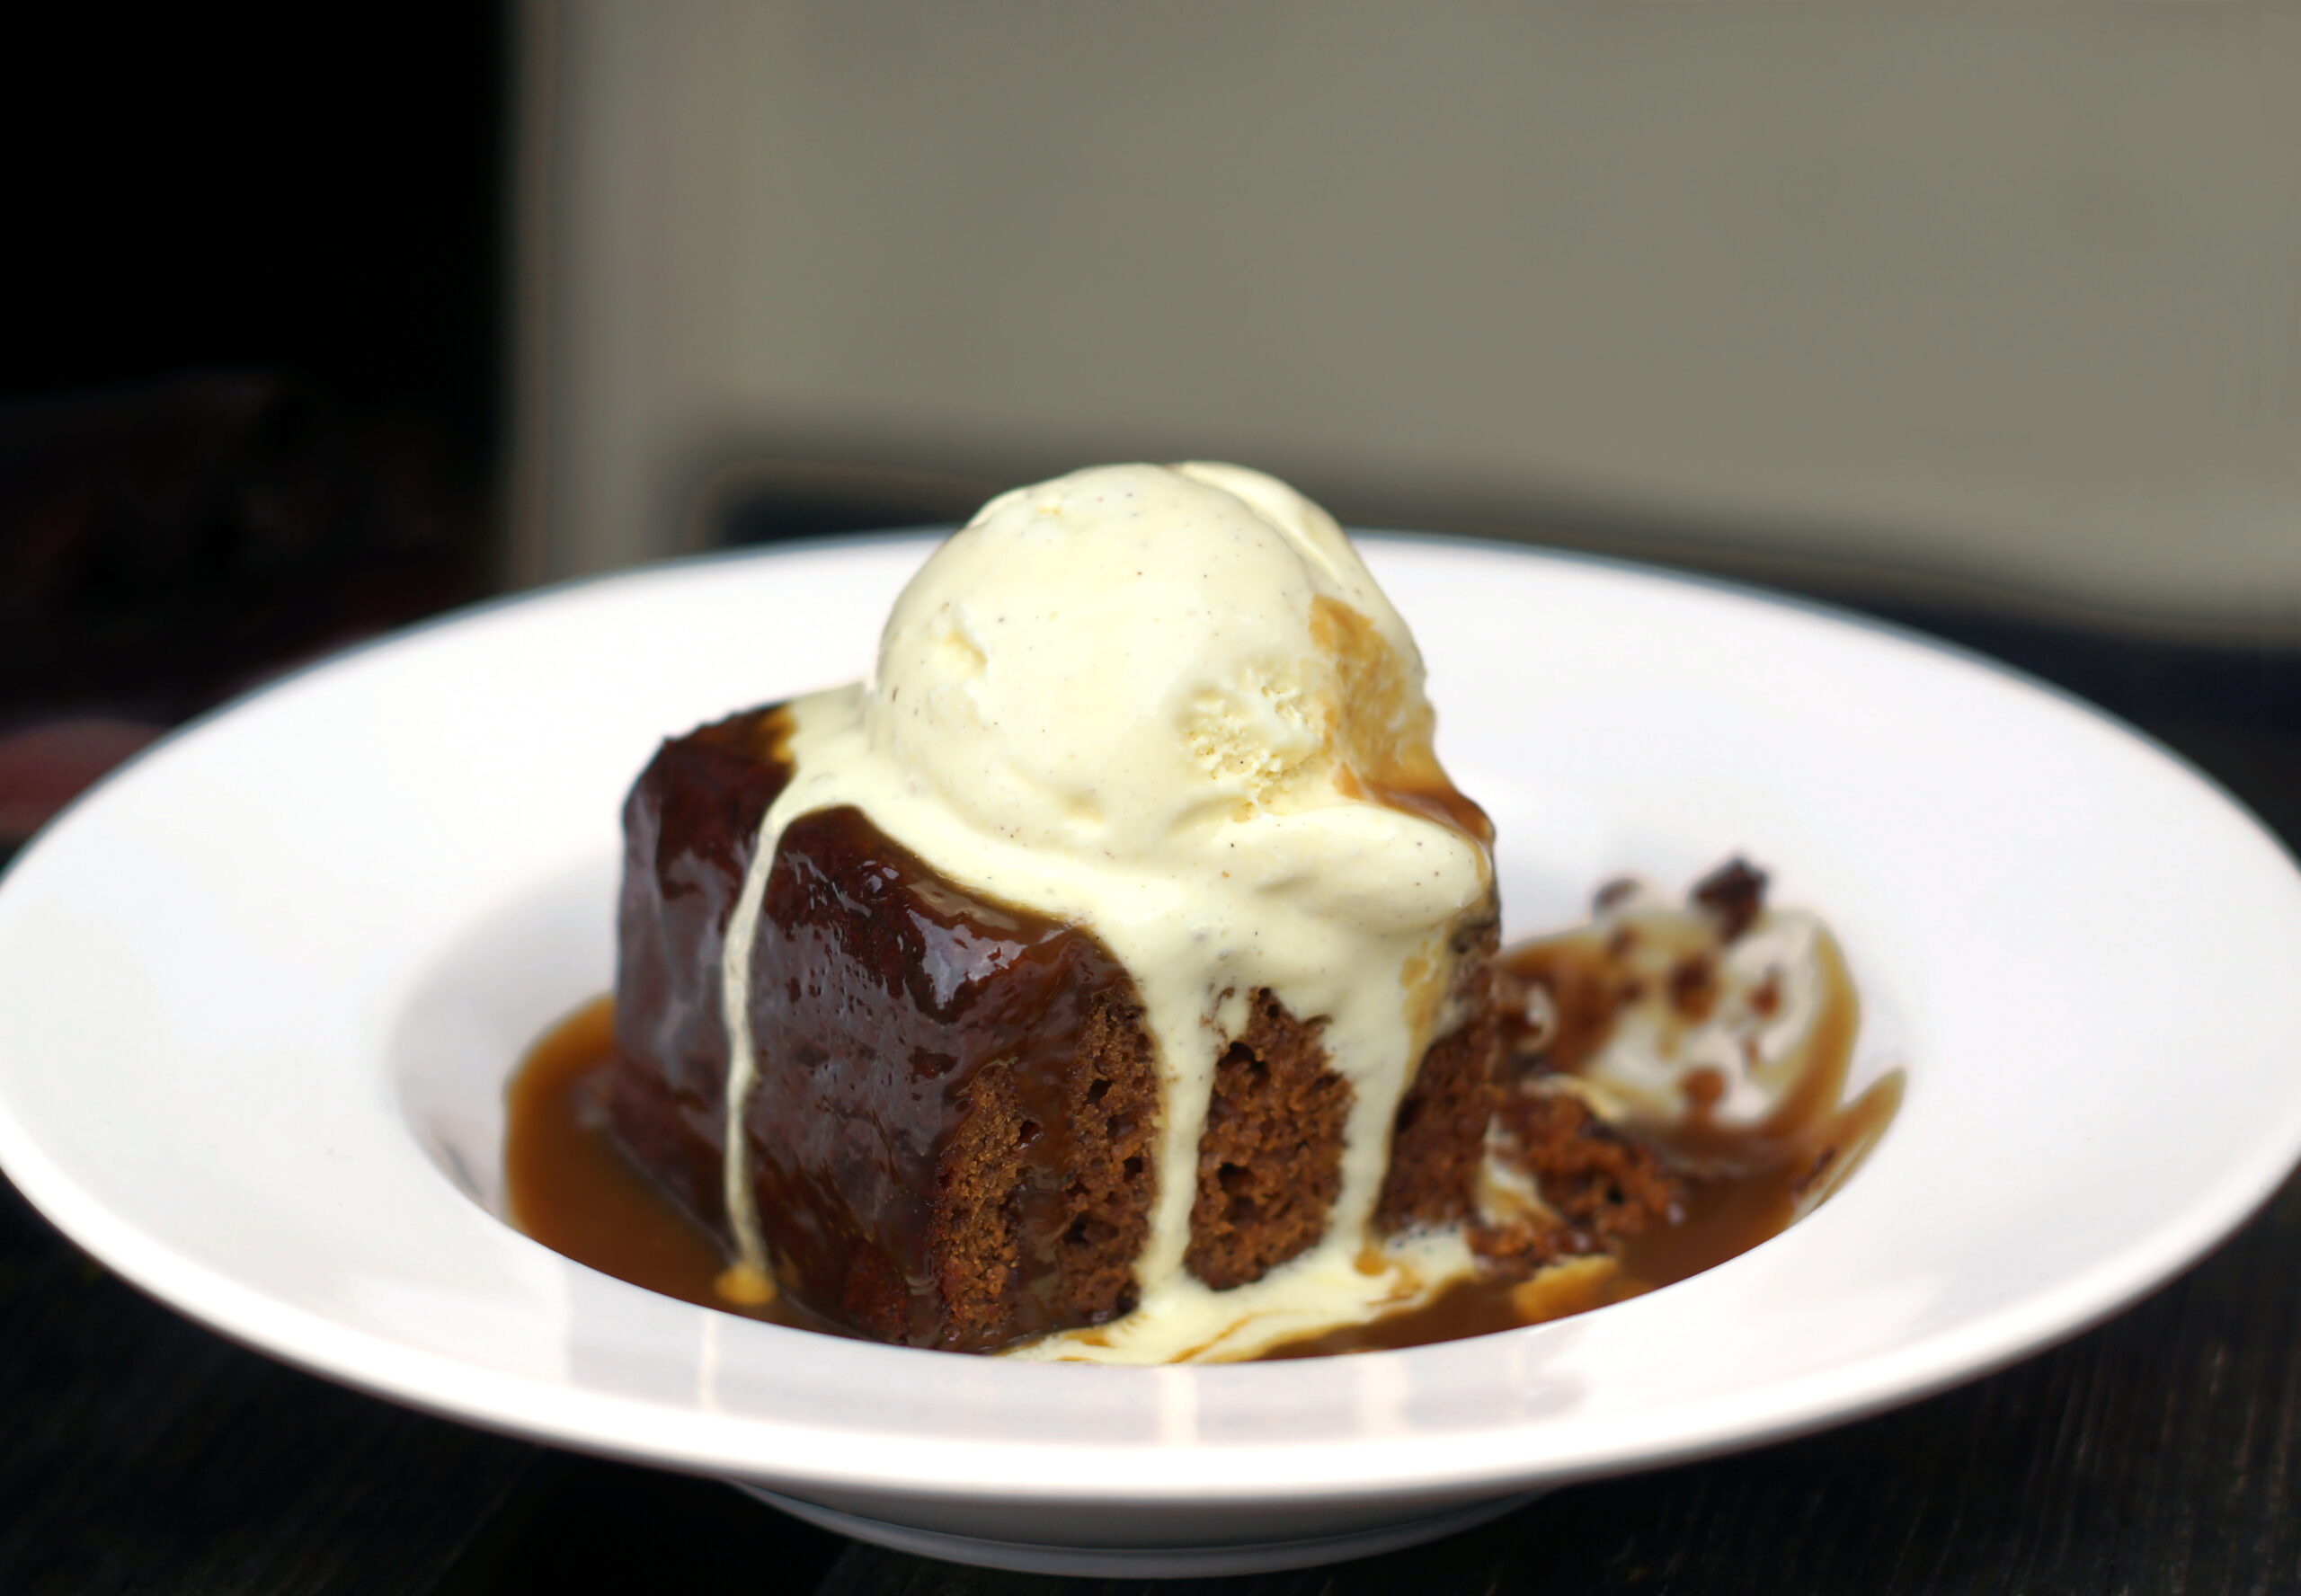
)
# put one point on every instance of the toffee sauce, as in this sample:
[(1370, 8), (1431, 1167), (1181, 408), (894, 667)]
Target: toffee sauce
[(568, 1188), (566, 1185), (1743, 1185)]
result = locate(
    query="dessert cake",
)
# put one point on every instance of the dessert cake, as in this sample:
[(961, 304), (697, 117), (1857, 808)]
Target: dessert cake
[(950, 1134), (1114, 975)]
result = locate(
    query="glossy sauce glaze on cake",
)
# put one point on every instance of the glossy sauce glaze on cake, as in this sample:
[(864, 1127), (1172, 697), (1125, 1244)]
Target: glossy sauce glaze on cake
[(1624, 1206)]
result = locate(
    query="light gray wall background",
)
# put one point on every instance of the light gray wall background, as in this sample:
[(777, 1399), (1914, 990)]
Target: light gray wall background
[(2008, 292)]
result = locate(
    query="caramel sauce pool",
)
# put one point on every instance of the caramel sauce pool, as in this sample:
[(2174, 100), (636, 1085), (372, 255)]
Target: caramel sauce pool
[(568, 1188)]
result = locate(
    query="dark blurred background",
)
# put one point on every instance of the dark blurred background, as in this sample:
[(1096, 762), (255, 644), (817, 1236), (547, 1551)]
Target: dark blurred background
[(251, 390), (1984, 319)]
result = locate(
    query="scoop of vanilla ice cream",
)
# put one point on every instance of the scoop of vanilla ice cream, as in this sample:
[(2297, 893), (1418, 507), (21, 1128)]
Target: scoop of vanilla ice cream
[(1170, 704), (1132, 660)]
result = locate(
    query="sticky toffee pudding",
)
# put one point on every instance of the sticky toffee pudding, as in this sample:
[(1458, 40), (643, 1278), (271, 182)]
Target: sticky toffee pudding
[(1114, 976)]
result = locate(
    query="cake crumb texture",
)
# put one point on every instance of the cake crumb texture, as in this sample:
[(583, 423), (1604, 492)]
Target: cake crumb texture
[(1100, 1216), (1438, 1138), (1270, 1159)]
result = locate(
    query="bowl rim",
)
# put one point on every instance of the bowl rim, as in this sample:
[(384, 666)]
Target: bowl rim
[(1392, 1467)]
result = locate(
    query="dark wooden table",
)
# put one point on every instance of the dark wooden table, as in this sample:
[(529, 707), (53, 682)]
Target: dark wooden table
[(2159, 1453)]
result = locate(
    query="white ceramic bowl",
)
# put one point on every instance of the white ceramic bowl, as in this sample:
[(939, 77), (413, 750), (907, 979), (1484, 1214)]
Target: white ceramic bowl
[(258, 994)]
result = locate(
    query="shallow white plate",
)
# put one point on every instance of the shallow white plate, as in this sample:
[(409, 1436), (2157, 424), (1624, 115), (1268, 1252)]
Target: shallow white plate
[(258, 994)]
